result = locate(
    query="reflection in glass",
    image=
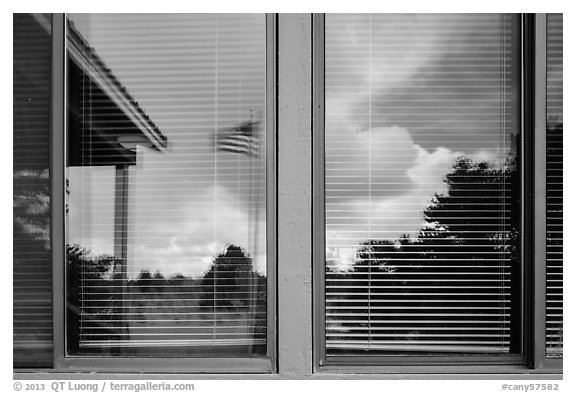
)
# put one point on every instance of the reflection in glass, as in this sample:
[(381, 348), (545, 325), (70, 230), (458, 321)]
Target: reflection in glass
[(554, 186), (421, 184), (166, 185), (32, 262)]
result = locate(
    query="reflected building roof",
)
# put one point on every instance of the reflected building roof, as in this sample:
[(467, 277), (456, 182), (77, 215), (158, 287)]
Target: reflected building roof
[(105, 123)]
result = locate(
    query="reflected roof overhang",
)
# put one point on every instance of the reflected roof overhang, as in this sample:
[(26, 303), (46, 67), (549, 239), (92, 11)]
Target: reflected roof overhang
[(117, 122)]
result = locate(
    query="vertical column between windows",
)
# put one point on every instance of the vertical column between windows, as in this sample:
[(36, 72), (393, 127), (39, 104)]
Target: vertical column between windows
[(294, 194)]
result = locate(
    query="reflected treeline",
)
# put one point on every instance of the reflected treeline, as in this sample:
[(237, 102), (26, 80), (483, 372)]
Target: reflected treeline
[(31, 258), (457, 283), (433, 289), (91, 294), (111, 314)]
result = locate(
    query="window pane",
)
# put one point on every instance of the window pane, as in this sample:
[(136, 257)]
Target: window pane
[(166, 185), (554, 185), (32, 263), (422, 185)]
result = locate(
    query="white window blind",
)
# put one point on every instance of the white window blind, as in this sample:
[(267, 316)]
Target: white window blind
[(166, 172), (32, 265), (554, 185), (422, 200)]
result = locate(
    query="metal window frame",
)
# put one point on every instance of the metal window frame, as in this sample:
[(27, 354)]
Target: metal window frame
[(229, 365), (531, 118)]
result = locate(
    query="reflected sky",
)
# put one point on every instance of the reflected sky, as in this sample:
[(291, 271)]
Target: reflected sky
[(192, 75), (406, 94)]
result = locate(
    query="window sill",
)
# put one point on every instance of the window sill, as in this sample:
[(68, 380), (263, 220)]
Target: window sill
[(326, 374)]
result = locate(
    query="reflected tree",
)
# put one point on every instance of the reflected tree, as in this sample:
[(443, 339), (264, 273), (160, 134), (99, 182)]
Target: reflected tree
[(91, 296), (230, 282), (232, 290), (470, 235)]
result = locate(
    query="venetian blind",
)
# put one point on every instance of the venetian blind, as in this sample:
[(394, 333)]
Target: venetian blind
[(554, 185), (32, 264), (421, 196), (166, 157)]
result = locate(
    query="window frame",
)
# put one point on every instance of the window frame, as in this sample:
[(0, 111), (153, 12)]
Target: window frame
[(64, 362), (539, 85), (532, 113)]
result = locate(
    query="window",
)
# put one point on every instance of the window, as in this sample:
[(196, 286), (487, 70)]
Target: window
[(554, 184), (32, 263), (166, 234), (420, 164), (422, 192), (166, 239), (297, 194)]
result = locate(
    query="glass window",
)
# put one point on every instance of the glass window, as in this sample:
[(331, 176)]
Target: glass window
[(554, 185), (422, 201), (166, 185), (32, 262)]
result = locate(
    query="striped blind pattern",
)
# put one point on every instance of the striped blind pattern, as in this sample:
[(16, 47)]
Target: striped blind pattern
[(32, 266), (166, 234), (554, 185), (421, 194)]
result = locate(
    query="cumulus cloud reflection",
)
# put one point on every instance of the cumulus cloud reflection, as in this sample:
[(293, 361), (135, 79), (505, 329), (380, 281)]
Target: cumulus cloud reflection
[(406, 95)]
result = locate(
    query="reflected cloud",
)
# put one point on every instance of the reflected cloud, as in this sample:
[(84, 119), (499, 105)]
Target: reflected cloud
[(434, 75), (405, 96), (205, 227), (390, 215)]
